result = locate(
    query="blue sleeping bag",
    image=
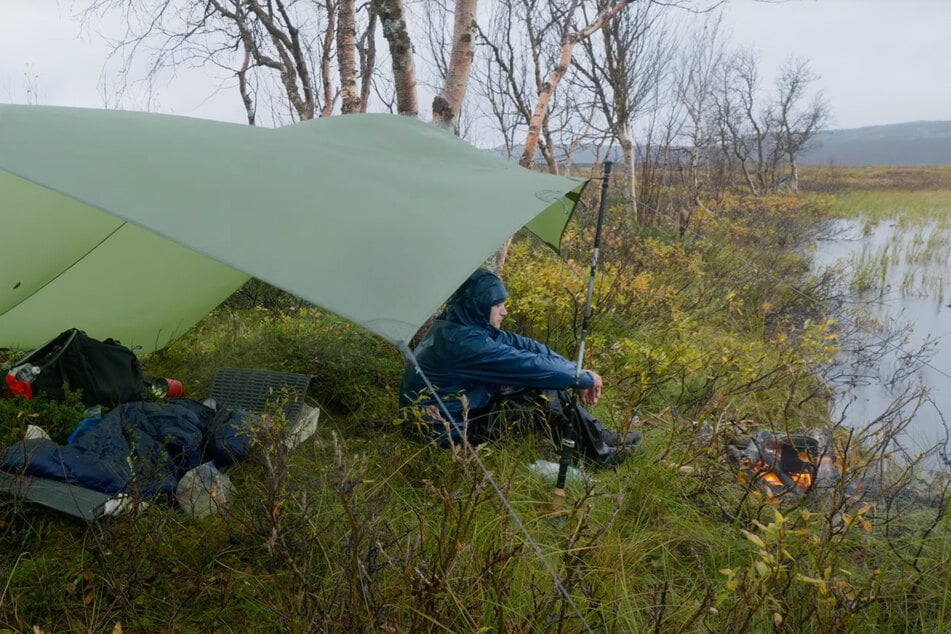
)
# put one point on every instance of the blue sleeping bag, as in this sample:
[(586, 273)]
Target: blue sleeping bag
[(140, 448)]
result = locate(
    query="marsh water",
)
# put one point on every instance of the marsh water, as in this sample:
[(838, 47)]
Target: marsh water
[(899, 303)]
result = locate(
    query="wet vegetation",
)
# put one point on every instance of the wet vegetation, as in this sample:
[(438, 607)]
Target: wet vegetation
[(705, 336)]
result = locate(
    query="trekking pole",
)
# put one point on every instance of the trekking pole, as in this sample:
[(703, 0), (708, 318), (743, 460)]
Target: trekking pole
[(568, 435)]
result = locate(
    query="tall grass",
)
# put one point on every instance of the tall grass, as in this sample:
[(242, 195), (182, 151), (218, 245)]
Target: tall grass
[(702, 341), (911, 208), (909, 232)]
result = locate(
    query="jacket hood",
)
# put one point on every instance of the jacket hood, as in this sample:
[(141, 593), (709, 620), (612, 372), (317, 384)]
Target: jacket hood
[(473, 301)]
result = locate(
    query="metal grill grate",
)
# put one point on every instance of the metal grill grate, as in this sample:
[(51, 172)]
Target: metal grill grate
[(252, 390)]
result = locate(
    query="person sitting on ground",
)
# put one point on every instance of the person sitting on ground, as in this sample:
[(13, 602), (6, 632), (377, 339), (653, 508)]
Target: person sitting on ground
[(475, 368)]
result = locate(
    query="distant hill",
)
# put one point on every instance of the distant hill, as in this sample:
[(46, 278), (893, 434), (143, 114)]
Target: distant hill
[(899, 144), (915, 143)]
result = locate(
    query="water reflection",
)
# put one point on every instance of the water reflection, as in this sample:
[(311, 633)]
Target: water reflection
[(900, 286)]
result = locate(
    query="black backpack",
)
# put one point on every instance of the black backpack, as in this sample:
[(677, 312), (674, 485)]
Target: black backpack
[(107, 372)]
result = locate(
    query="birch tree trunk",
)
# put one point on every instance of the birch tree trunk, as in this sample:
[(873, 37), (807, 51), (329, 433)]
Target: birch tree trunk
[(326, 77), (628, 149), (554, 78), (447, 105), (393, 20), (367, 51), (244, 88), (350, 101), (540, 112)]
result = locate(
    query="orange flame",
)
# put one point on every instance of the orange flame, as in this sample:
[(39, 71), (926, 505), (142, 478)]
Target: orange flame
[(803, 480)]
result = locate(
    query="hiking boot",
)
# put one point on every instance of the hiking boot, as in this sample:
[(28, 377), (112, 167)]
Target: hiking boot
[(609, 437), (633, 438)]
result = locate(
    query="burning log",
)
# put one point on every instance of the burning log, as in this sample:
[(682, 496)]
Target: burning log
[(796, 465), (785, 463)]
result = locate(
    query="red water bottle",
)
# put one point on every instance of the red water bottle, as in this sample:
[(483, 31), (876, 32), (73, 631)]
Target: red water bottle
[(20, 379)]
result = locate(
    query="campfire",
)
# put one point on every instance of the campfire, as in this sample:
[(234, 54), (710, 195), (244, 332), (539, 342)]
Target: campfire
[(783, 463)]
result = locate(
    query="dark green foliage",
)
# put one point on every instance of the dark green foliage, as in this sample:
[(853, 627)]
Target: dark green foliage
[(355, 373), (56, 418)]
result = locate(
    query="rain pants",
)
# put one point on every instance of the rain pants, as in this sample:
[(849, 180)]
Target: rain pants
[(468, 361)]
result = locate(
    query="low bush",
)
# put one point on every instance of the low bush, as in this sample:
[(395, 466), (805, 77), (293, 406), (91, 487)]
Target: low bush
[(57, 418), (703, 339)]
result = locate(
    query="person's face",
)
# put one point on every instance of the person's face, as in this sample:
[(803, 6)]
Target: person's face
[(497, 314)]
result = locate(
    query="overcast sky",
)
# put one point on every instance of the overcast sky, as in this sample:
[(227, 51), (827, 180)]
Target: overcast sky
[(879, 61)]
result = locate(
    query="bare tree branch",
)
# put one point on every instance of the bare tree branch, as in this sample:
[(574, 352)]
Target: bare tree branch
[(570, 37)]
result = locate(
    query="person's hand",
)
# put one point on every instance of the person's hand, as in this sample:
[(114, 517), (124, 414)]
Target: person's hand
[(591, 395)]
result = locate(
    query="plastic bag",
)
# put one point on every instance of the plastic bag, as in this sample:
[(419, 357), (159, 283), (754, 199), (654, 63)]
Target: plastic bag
[(205, 491), (549, 471)]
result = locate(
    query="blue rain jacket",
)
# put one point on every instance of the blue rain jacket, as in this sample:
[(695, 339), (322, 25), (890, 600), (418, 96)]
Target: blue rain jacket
[(462, 354)]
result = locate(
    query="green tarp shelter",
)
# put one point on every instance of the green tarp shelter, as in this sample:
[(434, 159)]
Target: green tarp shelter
[(134, 226)]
